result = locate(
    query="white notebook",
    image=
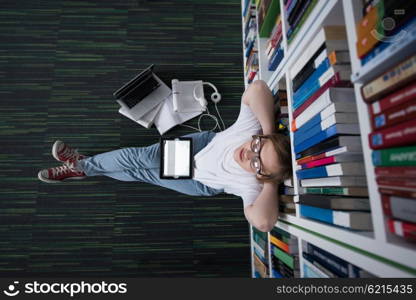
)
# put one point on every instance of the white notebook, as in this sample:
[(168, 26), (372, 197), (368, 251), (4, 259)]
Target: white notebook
[(183, 96)]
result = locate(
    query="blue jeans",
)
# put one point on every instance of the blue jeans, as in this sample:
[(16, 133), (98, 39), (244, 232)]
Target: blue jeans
[(143, 164)]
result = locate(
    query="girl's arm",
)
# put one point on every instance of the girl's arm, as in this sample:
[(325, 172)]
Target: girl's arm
[(263, 213), (260, 100)]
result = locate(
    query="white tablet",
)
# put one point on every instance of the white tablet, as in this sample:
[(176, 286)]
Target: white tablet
[(176, 159)]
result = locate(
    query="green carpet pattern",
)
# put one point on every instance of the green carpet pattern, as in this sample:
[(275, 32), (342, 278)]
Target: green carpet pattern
[(60, 62)]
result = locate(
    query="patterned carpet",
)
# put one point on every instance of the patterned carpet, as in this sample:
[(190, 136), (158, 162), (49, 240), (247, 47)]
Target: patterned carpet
[(60, 62)]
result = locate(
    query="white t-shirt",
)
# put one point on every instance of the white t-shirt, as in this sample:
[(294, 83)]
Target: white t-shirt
[(215, 165)]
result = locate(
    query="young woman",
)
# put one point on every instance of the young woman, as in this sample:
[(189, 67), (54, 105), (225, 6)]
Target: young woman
[(238, 160)]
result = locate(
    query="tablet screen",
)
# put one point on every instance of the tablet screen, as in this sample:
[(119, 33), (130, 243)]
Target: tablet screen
[(176, 158)]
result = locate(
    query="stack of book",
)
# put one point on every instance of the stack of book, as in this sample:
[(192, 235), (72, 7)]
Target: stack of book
[(251, 67), (326, 130), (282, 111), (274, 47), (285, 254), (384, 24), (318, 263), (392, 107), (260, 253), (297, 11)]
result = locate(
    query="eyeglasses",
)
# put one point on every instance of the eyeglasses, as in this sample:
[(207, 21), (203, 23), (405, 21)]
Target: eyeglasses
[(255, 161)]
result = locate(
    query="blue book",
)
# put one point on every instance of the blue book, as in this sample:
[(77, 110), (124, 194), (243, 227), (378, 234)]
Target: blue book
[(327, 133), (310, 85), (276, 274), (308, 126), (249, 47), (312, 173), (291, 7), (246, 6), (349, 219), (337, 169), (300, 136), (333, 263), (276, 59)]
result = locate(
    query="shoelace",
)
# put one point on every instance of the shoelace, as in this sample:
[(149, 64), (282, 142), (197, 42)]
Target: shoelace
[(61, 170), (70, 153)]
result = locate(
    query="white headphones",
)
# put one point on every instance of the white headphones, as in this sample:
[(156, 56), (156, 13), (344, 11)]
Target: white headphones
[(215, 97)]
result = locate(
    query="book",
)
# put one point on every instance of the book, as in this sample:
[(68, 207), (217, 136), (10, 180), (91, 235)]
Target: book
[(332, 100), (289, 260), (356, 220), (390, 80), (335, 190), (343, 150), (395, 171), (335, 202), (298, 17), (403, 229), (317, 124), (308, 69), (335, 129), (260, 266), (284, 269), (399, 207), (302, 21), (398, 135), (356, 181), (376, 31), (395, 157), (290, 249), (333, 37), (337, 169), (272, 11), (400, 96), (276, 59), (395, 115), (318, 78), (333, 263), (340, 57), (276, 274), (334, 81), (345, 157), (310, 270), (294, 10), (381, 50), (397, 183), (406, 194), (338, 144), (319, 266)]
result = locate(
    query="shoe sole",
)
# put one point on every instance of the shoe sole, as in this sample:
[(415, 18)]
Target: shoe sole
[(55, 151), (41, 178)]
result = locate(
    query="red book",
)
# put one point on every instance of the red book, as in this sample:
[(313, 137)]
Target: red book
[(307, 159), (403, 229), (397, 183), (399, 97), (405, 194), (399, 207), (399, 135), (395, 115), (332, 159), (335, 81), (396, 171)]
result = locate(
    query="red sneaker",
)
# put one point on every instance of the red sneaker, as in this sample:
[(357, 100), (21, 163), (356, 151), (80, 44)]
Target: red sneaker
[(59, 174), (63, 153)]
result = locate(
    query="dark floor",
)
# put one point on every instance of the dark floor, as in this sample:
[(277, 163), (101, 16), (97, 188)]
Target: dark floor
[(60, 61)]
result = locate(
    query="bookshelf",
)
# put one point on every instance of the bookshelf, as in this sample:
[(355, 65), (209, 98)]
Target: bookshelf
[(379, 252)]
